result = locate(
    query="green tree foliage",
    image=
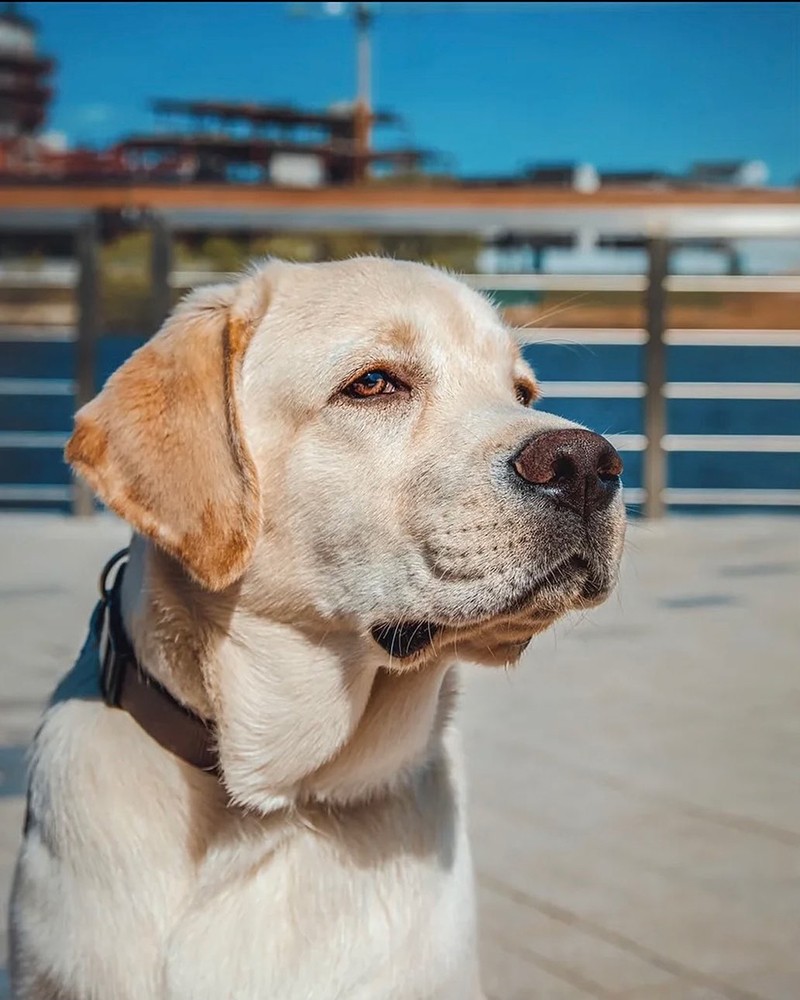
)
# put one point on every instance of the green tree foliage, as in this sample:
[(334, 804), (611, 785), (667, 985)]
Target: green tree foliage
[(125, 261)]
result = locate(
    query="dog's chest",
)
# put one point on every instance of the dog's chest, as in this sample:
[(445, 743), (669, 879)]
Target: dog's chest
[(359, 914)]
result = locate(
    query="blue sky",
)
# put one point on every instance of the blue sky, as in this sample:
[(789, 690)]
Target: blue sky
[(620, 85)]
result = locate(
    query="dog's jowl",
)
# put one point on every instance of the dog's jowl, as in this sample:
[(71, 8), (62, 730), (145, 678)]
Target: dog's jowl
[(249, 785)]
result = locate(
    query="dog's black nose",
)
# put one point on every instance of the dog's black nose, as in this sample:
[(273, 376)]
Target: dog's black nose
[(572, 466)]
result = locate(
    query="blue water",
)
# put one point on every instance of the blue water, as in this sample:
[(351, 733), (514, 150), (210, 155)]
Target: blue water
[(552, 362), (687, 470)]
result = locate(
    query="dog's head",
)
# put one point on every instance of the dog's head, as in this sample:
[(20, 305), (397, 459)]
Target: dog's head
[(352, 445)]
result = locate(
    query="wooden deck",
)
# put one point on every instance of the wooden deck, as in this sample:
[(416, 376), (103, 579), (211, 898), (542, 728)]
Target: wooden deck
[(635, 784)]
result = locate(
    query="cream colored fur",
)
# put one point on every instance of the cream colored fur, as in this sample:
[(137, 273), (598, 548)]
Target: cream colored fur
[(276, 522)]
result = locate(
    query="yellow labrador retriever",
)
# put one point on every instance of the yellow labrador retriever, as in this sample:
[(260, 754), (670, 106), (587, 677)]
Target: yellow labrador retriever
[(335, 485)]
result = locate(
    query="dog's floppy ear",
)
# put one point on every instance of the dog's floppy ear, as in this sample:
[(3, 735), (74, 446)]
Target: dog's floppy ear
[(162, 444)]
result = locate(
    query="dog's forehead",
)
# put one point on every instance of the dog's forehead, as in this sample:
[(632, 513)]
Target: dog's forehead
[(397, 304)]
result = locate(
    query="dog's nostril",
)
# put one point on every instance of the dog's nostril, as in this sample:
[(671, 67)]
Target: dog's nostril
[(609, 465), (563, 468)]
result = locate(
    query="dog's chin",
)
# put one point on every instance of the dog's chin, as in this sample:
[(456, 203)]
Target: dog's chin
[(502, 634)]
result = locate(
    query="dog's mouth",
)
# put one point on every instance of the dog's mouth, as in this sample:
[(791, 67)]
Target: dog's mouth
[(406, 638)]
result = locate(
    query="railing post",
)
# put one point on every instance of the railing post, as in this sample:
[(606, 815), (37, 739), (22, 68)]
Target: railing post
[(160, 271), (88, 302), (655, 376)]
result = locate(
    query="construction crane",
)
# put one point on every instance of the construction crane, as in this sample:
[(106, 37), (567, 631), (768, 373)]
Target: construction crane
[(363, 15)]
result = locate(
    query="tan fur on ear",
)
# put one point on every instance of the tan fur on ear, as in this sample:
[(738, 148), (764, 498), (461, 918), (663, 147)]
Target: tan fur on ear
[(162, 444)]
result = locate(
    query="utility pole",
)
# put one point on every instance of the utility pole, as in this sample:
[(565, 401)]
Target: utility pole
[(362, 120)]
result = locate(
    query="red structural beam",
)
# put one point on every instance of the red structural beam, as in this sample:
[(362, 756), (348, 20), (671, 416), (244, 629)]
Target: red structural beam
[(257, 150)]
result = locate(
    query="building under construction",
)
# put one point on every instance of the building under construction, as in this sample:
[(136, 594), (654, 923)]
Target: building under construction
[(266, 143), (217, 141), (24, 90)]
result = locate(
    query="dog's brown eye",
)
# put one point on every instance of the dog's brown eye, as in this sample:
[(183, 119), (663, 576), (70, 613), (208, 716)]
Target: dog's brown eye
[(375, 383), (524, 394)]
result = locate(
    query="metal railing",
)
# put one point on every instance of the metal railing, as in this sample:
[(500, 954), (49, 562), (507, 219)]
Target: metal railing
[(654, 339), (656, 442)]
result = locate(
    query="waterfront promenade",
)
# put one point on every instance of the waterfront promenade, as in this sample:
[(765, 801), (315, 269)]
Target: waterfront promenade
[(635, 784)]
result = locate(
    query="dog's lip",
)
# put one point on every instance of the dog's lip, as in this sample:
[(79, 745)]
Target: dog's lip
[(405, 638)]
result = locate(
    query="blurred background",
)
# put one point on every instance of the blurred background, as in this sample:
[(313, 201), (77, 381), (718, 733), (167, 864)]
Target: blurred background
[(624, 180)]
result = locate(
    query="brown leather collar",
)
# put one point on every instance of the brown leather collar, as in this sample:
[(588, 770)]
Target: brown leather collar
[(125, 684)]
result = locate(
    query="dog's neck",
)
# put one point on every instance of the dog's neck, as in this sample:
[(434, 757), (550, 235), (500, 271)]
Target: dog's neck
[(297, 719)]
